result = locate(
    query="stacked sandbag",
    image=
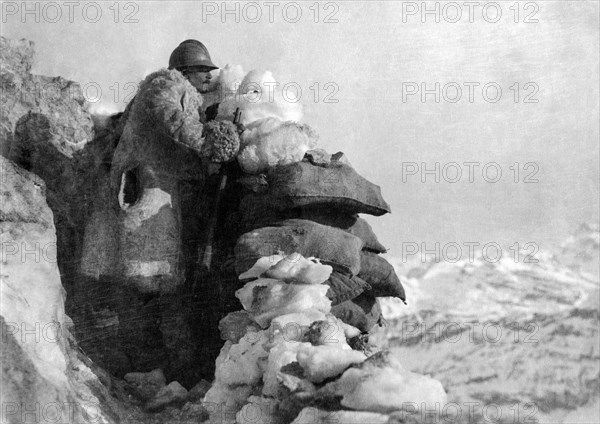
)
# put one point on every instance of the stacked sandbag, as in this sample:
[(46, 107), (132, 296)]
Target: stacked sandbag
[(286, 355), (312, 207)]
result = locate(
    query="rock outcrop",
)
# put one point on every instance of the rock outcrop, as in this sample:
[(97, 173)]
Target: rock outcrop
[(44, 127), (54, 107), (42, 375)]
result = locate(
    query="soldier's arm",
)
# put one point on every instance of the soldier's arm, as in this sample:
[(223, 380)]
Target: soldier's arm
[(173, 110)]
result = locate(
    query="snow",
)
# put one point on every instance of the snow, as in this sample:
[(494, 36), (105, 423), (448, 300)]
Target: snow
[(283, 353), (261, 266), (240, 363), (270, 142), (480, 289), (267, 298), (258, 410), (325, 361), (295, 268), (257, 95), (528, 330), (389, 388)]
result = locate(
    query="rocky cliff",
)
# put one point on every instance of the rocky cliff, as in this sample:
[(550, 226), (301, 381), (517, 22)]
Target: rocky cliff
[(43, 376)]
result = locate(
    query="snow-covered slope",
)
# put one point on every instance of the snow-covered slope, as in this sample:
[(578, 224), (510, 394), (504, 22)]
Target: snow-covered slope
[(511, 341)]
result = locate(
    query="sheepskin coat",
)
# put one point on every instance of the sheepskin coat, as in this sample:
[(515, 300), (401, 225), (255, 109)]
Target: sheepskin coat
[(158, 150), (163, 123)]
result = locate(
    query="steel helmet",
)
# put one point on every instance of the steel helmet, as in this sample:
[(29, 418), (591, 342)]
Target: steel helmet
[(191, 54)]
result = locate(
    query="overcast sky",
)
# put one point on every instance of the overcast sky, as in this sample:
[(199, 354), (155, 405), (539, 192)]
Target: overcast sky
[(370, 57)]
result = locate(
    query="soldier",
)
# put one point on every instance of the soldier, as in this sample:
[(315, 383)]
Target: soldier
[(159, 203)]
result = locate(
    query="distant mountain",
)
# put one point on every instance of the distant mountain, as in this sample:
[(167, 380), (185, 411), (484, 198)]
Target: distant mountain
[(580, 251), (513, 340)]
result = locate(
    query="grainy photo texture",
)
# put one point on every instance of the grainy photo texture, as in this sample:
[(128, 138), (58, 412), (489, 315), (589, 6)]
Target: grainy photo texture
[(300, 212)]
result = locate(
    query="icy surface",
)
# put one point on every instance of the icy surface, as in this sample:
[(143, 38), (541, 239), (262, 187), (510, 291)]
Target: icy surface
[(271, 142), (325, 361), (267, 298), (389, 387), (255, 94)]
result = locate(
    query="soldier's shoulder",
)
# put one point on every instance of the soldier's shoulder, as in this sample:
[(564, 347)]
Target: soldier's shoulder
[(164, 79), (166, 85)]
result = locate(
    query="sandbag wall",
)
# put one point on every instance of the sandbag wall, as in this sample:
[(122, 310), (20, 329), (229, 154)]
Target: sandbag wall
[(312, 207)]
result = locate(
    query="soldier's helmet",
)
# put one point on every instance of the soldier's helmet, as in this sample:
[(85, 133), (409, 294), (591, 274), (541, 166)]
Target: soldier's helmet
[(191, 55)]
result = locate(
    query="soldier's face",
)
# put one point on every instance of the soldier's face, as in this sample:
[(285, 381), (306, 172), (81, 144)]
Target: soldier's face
[(200, 80)]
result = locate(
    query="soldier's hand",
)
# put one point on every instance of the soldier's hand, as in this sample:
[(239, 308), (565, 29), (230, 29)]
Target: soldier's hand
[(240, 128)]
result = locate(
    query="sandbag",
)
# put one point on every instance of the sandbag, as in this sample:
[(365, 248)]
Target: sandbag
[(363, 231), (257, 211), (332, 245), (350, 223), (362, 312), (342, 287), (338, 186), (380, 274)]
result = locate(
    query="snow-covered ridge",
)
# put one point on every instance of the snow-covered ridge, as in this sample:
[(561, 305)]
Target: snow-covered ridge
[(506, 336), (486, 289)]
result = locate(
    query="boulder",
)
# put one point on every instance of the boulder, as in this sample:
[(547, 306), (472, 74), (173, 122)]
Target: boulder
[(198, 392), (171, 395), (146, 385)]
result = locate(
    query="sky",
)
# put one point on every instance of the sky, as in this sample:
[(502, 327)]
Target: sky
[(480, 127)]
